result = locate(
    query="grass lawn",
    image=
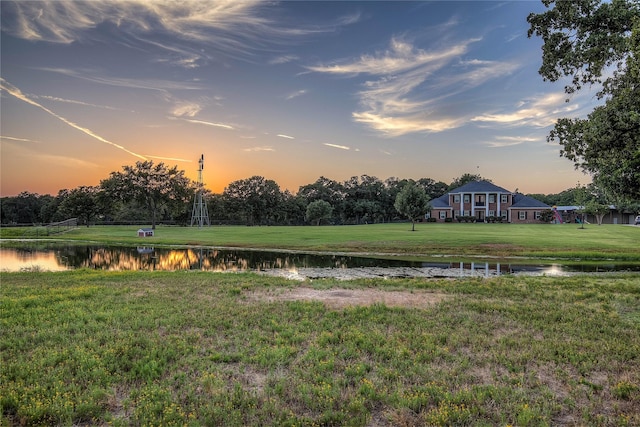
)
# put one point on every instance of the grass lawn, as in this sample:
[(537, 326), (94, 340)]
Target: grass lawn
[(566, 241), (193, 348)]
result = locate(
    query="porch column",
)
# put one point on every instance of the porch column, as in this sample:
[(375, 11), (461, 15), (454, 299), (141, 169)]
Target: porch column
[(499, 196), (486, 206), (473, 204)]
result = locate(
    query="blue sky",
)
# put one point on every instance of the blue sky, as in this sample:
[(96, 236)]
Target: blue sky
[(286, 90)]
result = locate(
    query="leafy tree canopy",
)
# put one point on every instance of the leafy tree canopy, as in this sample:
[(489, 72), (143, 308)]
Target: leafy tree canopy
[(319, 210), (412, 202), (154, 186), (256, 196), (597, 42), (82, 203)]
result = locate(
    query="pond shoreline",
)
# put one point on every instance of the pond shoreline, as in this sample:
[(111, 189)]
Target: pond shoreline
[(302, 274)]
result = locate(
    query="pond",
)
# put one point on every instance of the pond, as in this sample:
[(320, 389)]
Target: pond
[(48, 256)]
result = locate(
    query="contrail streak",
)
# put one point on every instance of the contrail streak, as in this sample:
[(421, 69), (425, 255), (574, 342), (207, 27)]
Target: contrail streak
[(177, 159), (12, 90)]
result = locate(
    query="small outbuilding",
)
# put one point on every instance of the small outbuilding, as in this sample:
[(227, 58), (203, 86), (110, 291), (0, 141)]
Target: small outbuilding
[(145, 232)]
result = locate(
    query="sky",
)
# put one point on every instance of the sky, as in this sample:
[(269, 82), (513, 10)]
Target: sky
[(291, 91)]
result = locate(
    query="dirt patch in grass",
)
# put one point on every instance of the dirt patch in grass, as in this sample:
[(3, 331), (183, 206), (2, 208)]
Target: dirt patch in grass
[(340, 298)]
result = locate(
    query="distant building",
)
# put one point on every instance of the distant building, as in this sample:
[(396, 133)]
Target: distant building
[(483, 201), (145, 232), (614, 216)]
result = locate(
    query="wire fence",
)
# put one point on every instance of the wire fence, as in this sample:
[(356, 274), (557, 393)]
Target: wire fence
[(62, 226)]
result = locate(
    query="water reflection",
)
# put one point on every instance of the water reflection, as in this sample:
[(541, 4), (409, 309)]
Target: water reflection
[(16, 260), (121, 258), (56, 256)]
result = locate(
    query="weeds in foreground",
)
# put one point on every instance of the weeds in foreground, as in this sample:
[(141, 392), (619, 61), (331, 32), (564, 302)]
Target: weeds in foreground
[(205, 349)]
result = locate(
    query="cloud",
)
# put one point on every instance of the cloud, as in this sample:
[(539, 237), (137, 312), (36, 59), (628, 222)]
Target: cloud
[(352, 18), (400, 57), (67, 22), (188, 109), (342, 147), (296, 94), (263, 148), (36, 154), (509, 141), (66, 162), (177, 159), (14, 91), (200, 30), (407, 82), (283, 59), (148, 84), (540, 111), (398, 126), (202, 122), (285, 136), (513, 37), (11, 138), (72, 101)]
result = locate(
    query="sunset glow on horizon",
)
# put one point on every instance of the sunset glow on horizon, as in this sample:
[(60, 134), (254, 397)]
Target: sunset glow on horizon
[(290, 91)]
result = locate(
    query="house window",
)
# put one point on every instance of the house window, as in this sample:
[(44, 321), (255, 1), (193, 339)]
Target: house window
[(456, 198), (504, 198), (467, 198), (492, 198), (467, 213), (443, 214), (492, 213), (503, 214), (522, 215), (537, 215)]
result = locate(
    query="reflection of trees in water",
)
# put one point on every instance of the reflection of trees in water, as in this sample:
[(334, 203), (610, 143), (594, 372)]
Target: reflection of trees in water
[(126, 258), (119, 258), (134, 259)]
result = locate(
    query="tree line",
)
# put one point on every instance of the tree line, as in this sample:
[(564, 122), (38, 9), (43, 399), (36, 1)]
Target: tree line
[(151, 193), (155, 193)]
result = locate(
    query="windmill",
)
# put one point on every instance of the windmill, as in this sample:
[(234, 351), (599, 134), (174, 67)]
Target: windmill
[(200, 214)]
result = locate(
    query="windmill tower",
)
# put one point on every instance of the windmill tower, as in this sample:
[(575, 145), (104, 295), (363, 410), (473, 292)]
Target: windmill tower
[(200, 214)]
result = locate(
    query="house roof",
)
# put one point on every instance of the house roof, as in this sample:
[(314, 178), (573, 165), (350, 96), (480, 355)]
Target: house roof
[(441, 202), (519, 200), (522, 201), (479, 187)]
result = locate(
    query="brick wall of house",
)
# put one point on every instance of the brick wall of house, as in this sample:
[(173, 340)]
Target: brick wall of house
[(529, 216)]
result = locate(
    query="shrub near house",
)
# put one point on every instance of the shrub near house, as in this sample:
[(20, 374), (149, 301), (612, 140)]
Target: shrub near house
[(483, 201)]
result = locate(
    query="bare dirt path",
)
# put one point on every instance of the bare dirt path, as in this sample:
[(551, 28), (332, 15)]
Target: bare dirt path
[(339, 298)]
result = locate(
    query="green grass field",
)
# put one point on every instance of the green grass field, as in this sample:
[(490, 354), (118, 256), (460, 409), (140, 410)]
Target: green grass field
[(565, 241), (194, 348)]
